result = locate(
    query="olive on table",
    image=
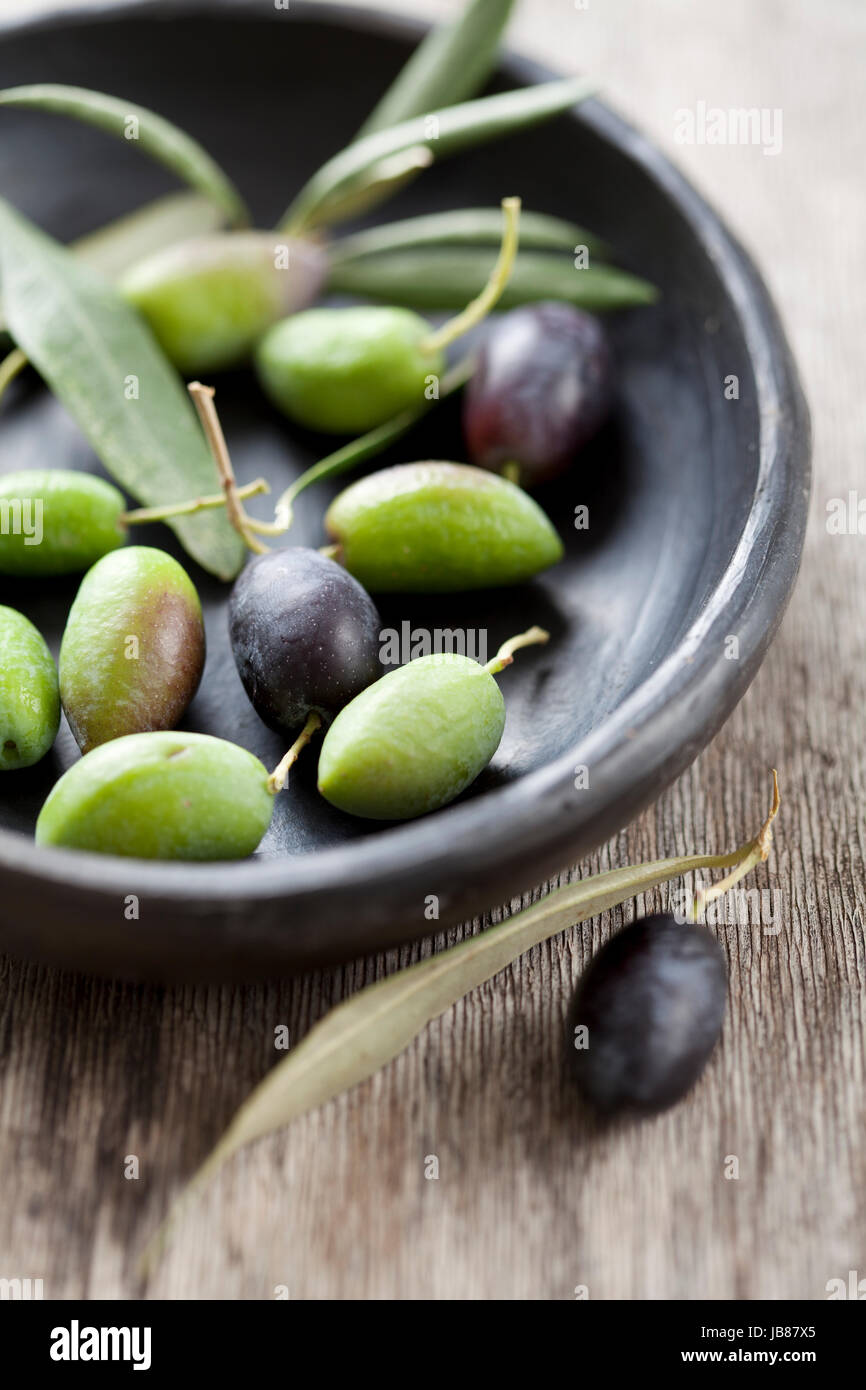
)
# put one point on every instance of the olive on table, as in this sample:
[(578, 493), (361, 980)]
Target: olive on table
[(652, 1003), (57, 521), (542, 387), (304, 634), (133, 650), (29, 699), (161, 795), (208, 300), (419, 736), (437, 527)]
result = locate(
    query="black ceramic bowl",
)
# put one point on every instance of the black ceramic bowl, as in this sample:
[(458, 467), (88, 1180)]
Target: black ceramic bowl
[(697, 504)]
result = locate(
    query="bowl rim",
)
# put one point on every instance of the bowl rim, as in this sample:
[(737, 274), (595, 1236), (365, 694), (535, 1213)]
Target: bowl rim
[(689, 694)]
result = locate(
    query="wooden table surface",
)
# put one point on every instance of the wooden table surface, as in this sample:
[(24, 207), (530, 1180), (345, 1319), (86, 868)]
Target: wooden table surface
[(531, 1202)]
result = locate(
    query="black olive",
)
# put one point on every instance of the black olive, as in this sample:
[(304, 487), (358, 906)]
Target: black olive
[(652, 1003), (542, 387), (305, 636)]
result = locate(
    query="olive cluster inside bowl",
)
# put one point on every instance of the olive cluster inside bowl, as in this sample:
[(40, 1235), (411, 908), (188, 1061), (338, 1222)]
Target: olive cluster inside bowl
[(696, 506)]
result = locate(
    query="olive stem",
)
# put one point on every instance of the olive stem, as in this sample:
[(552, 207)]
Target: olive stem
[(140, 515), (203, 399), (511, 472), (535, 636), (480, 307), (358, 450), (280, 775), (754, 853), (13, 363)]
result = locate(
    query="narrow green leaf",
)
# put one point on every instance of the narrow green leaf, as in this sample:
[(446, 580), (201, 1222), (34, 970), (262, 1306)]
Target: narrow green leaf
[(375, 186), (469, 227), (112, 249), (102, 362), (366, 1031), (443, 131), (138, 126), (432, 279), (361, 1035), (450, 64)]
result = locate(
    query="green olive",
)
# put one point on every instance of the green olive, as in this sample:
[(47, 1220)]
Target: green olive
[(209, 300), (344, 371), (161, 796), (437, 527), (133, 650), (413, 740), (29, 702), (54, 521)]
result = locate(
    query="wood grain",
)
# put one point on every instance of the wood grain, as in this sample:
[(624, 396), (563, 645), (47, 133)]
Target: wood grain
[(531, 1200)]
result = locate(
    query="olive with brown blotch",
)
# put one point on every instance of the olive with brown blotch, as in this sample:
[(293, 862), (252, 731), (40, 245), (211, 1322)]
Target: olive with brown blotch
[(133, 650)]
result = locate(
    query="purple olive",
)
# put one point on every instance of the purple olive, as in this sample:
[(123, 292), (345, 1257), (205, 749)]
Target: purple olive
[(305, 636), (541, 389), (652, 1003)]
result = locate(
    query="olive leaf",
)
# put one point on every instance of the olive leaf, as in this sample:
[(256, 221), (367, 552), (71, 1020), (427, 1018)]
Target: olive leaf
[(450, 64), (113, 248), (135, 124), (103, 363), (369, 1029), (465, 226), (444, 131), (373, 187), (427, 278)]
